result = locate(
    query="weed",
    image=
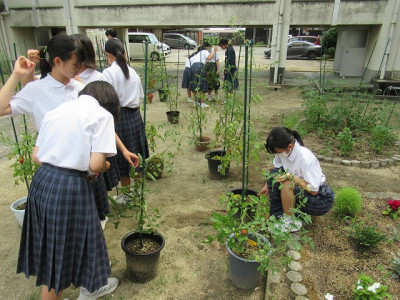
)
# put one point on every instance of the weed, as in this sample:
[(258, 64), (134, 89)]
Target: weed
[(366, 237), (381, 136), (348, 202)]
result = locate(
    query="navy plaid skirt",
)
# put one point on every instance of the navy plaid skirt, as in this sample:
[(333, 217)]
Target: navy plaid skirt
[(317, 205), (62, 242), (186, 78), (112, 177), (198, 80), (212, 76), (130, 131), (100, 196)]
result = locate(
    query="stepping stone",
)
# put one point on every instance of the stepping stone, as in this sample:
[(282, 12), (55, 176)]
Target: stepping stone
[(293, 254), (366, 164), (330, 159), (298, 289), (370, 195), (295, 266), (293, 276), (383, 162), (301, 298), (320, 157), (346, 162), (375, 164), (337, 161), (355, 163)]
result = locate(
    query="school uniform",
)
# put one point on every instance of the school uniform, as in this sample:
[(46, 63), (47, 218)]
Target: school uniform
[(302, 163), (108, 180), (130, 125), (41, 96), (230, 73), (62, 242), (186, 75), (211, 73), (198, 80)]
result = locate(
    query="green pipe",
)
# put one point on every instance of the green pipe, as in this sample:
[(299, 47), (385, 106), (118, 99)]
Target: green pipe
[(244, 187), (249, 116)]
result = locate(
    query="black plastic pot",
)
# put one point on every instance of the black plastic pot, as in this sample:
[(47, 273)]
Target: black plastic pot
[(215, 165), (239, 192), (142, 267), (163, 95), (243, 273), (173, 116)]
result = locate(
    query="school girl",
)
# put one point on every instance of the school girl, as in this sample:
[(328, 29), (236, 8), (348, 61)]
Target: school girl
[(108, 180), (62, 242), (129, 89), (186, 80), (303, 173), (231, 81), (212, 75), (59, 63), (198, 82)]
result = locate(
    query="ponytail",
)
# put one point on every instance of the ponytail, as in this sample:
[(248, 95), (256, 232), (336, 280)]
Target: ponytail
[(195, 53), (62, 46), (116, 48), (281, 137)]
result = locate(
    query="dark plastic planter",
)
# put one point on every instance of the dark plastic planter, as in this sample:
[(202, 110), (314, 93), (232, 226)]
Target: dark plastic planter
[(214, 165), (243, 273), (142, 267), (239, 192), (163, 95), (173, 116)]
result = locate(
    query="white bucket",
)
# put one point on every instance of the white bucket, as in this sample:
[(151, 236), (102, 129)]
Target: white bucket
[(19, 214)]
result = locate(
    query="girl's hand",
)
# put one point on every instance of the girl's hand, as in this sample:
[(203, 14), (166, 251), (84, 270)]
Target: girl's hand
[(263, 191), (23, 67), (132, 158), (215, 48), (284, 177), (33, 55)]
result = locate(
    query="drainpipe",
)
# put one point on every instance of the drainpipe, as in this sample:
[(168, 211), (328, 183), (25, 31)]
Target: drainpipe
[(5, 38), (392, 25), (71, 29), (278, 41)]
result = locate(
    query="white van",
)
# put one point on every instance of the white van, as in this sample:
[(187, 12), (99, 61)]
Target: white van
[(136, 46)]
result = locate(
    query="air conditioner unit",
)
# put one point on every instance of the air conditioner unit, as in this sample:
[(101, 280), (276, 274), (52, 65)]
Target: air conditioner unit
[(3, 7)]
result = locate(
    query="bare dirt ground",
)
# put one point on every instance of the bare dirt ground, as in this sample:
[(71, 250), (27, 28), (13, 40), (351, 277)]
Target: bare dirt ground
[(186, 197)]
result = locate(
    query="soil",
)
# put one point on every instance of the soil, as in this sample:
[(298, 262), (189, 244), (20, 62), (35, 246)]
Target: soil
[(148, 246), (190, 269)]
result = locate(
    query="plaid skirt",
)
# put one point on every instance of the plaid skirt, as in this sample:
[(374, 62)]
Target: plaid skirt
[(111, 176), (198, 80), (130, 131), (62, 242), (317, 205), (186, 78), (100, 196), (212, 76)]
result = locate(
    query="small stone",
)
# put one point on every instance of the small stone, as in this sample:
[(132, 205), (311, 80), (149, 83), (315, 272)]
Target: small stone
[(370, 195), (375, 164), (293, 276), (382, 195), (337, 161), (293, 254), (301, 298), (346, 162), (383, 162), (365, 164), (295, 266), (355, 163), (297, 289), (390, 161), (328, 159), (396, 160), (320, 157)]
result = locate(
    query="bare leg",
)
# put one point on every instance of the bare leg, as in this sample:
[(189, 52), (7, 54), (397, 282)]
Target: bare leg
[(189, 93), (287, 196), (46, 295), (125, 181)]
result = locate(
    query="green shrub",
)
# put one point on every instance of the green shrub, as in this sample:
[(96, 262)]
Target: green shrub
[(347, 141), (331, 51), (395, 262), (329, 38), (348, 202), (381, 136), (365, 237)]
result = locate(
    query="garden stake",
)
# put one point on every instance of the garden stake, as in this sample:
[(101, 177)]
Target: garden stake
[(8, 59), (98, 53), (248, 127), (323, 76), (244, 187)]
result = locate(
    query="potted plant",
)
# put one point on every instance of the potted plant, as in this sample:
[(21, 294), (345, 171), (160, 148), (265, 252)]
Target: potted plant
[(172, 103), (143, 246), (162, 80), (24, 168)]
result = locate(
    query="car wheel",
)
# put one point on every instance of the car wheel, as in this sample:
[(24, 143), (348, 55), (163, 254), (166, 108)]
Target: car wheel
[(187, 46), (311, 55), (154, 56)]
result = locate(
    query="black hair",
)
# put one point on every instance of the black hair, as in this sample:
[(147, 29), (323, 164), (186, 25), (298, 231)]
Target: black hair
[(206, 44), (281, 137), (90, 55), (111, 32), (62, 46), (223, 42), (202, 47), (105, 94), (116, 48)]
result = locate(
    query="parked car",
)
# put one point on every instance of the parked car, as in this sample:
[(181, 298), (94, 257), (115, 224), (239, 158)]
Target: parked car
[(156, 49), (308, 38), (299, 49), (177, 40)]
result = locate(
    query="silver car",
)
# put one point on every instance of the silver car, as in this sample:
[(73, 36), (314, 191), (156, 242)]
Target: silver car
[(299, 49), (177, 40)]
